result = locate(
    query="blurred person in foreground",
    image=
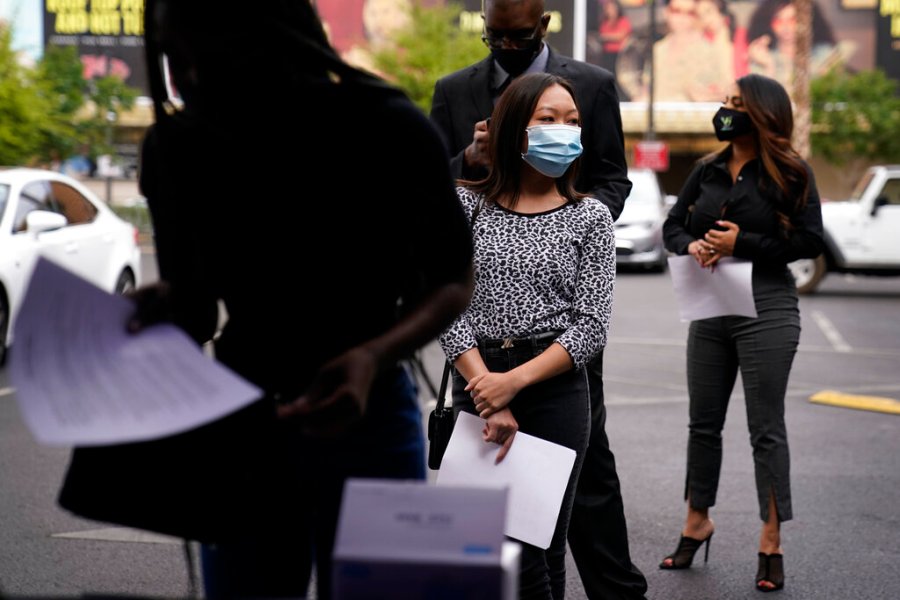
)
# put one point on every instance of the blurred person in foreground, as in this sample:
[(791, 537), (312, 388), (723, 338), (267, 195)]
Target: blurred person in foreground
[(327, 285), (755, 200), (545, 268), (514, 33)]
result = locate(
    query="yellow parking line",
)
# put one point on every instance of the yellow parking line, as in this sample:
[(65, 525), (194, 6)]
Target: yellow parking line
[(872, 403)]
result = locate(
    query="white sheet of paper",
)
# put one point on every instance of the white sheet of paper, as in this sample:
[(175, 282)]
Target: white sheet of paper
[(535, 470), (702, 293), (417, 522), (82, 380)]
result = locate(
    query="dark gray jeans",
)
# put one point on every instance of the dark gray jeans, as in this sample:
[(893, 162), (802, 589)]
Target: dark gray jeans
[(557, 410), (763, 349)]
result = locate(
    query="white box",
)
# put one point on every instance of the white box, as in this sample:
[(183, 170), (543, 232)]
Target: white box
[(401, 540)]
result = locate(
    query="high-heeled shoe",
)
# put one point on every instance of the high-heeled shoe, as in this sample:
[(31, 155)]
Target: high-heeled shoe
[(684, 553), (771, 569)]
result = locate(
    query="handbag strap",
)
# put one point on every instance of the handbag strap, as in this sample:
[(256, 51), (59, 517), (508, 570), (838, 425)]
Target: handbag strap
[(443, 391)]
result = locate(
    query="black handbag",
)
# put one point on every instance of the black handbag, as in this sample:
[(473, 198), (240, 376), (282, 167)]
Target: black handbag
[(440, 424), (211, 484)]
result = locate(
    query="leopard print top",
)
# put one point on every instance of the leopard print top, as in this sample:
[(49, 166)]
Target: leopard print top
[(540, 272)]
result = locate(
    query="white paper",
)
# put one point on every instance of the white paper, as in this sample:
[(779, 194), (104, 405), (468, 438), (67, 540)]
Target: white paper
[(415, 521), (702, 293), (82, 379), (535, 470)]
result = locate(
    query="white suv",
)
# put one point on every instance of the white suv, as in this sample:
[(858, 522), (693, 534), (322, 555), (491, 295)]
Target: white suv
[(862, 234)]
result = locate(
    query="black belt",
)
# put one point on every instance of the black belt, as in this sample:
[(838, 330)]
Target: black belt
[(529, 341)]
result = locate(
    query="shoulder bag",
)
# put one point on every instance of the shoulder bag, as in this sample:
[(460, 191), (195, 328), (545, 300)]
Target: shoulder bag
[(440, 424)]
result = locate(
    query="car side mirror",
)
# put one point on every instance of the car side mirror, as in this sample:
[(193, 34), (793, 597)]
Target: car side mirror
[(38, 221), (879, 202)]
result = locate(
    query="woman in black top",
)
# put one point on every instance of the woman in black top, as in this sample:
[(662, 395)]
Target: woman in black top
[(331, 271), (755, 200)]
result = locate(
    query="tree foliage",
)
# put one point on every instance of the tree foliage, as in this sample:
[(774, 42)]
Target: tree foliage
[(430, 46), (22, 107), (855, 115)]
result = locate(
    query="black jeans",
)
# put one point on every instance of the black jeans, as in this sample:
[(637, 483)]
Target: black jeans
[(598, 536), (556, 410), (763, 349)]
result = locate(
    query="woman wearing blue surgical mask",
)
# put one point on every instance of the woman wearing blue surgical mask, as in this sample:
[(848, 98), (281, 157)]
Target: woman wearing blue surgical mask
[(755, 200), (544, 269)]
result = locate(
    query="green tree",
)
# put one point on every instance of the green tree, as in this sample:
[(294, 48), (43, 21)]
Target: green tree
[(430, 46), (110, 97), (855, 115), (23, 107), (62, 84), (61, 70)]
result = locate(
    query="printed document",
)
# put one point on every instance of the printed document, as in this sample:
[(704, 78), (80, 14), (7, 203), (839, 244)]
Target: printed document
[(81, 379), (535, 470), (702, 293)]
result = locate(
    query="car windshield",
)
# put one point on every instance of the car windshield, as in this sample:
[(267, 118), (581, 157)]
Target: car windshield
[(862, 185), (642, 191)]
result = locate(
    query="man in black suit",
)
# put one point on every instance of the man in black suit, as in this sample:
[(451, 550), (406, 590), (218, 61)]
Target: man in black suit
[(514, 31)]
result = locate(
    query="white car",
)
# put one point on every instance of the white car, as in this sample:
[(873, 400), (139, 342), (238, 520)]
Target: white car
[(45, 213), (639, 241), (861, 233)]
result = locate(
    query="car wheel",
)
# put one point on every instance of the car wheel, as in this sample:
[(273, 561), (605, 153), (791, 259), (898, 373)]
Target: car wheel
[(125, 283), (4, 327), (808, 273)]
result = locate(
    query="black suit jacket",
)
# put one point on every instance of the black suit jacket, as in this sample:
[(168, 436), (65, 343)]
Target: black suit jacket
[(463, 98)]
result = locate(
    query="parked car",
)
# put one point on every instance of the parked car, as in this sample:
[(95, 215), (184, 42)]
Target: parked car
[(861, 233), (639, 241), (45, 213)]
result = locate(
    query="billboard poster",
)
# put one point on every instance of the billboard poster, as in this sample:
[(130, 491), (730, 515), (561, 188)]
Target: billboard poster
[(108, 34), (701, 46), (356, 26)]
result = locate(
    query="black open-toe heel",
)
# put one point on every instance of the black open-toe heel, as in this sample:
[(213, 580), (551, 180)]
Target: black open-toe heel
[(771, 569), (684, 553)]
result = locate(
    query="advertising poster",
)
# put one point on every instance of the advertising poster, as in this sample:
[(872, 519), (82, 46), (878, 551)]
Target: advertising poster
[(700, 46), (357, 26), (109, 36)]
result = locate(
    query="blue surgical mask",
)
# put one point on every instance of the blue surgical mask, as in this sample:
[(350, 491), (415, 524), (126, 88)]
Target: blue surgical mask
[(552, 148)]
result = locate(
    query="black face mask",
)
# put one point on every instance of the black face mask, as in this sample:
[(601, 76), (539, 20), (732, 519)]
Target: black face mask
[(515, 60), (730, 124)]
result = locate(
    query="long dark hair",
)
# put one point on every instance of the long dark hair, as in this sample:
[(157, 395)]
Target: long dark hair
[(769, 107), (272, 52), (508, 140)]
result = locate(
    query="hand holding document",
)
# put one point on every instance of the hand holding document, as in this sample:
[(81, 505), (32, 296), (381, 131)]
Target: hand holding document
[(535, 470), (702, 293), (81, 379)]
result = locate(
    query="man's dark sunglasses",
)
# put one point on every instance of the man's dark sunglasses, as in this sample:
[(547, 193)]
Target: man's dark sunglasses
[(517, 38)]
